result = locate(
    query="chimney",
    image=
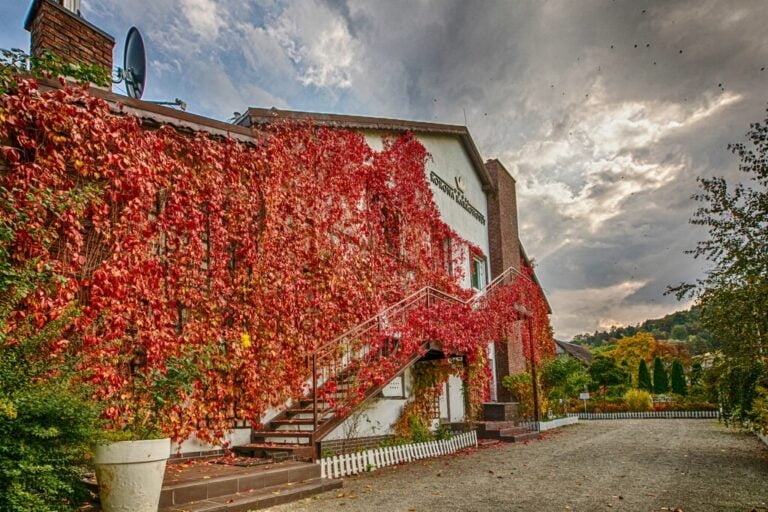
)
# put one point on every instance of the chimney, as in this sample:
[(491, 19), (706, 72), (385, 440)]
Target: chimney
[(56, 25), (504, 242)]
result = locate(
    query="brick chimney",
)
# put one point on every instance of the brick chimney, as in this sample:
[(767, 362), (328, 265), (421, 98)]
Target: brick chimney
[(502, 219), (56, 25), (504, 246)]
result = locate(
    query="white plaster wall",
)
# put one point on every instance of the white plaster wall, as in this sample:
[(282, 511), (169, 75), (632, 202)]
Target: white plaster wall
[(235, 437), (378, 415), (449, 160), (375, 416)]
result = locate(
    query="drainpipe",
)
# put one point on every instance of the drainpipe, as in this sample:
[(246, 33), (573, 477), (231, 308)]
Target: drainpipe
[(529, 317)]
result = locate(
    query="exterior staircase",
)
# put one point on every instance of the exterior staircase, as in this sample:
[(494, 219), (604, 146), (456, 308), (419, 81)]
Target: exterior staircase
[(338, 366)]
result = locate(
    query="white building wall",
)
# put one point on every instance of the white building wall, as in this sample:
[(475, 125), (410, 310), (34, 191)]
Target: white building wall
[(450, 161), (375, 417)]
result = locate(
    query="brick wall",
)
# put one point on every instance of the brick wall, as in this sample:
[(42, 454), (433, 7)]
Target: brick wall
[(342, 446), (69, 36), (504, 245), (502, 219)]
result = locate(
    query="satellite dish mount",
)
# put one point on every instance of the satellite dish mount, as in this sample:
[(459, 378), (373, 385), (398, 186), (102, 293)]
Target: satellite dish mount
[(134, 70)]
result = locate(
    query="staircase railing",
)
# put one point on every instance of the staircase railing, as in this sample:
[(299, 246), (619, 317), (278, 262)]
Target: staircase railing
[(370, 342)]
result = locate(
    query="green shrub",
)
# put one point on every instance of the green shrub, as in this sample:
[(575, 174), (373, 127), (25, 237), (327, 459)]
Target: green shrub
[(660, 378), (444, 433), (46, 425), (679, 386), (644, 377), (638, 400), (520, 387)]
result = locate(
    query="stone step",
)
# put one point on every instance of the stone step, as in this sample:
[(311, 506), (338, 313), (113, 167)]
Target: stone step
[(258, 498), (293, 421), (211, 481), (309, 410), (502, 432), (277, 451), (496, 425), (281, 433), (517, 438)]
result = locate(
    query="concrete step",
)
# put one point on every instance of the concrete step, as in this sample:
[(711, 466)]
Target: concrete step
[(502, 432), (281, 433), (258, 498), (277, 451), (210, 481), (517, 438), (495, 425)]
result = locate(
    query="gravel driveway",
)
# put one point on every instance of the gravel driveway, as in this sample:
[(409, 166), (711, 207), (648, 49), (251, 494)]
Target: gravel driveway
[(692, 465)]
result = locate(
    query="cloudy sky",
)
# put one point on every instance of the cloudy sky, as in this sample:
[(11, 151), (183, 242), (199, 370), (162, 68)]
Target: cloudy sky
[(605, 111)]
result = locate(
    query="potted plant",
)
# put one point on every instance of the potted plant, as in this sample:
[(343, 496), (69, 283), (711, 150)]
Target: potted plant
[(130, 459)]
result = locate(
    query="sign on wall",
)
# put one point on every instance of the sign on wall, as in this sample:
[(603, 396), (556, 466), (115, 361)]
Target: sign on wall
[(457, 194), (395, 388)]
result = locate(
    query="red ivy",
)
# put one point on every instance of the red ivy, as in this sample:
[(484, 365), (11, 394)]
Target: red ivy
[(221, 263)]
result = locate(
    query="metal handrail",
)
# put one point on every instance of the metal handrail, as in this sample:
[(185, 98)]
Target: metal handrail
[(336, 345)]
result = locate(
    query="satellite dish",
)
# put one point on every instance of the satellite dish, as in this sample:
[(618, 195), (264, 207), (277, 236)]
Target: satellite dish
[(134, 64)]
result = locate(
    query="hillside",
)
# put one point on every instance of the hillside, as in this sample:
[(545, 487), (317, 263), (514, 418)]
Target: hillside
[(680, 326)]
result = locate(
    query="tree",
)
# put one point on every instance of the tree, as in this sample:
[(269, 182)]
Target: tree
[(679, 385), (679, 332), (632, 349), (644, 377), (696, 373), (660, 379), (733, 294), (605, 372)]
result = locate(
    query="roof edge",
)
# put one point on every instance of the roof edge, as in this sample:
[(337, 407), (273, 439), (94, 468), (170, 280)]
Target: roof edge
[(256, 115)]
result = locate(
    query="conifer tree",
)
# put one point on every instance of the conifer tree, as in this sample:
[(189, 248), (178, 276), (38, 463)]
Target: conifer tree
[(660, 378), (644, 377), (679, 386)]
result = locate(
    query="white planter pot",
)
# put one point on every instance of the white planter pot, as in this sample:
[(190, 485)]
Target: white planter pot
[(130, 474)]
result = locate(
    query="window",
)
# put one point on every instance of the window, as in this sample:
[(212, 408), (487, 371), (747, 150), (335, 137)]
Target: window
[(477, 272)]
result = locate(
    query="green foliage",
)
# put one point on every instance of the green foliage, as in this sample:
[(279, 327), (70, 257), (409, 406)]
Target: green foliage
[(696, 374), (520, 387), (644, 377), (563, 378), (47, 65), (419, 430), (679, 386), (443, 433), (638, 400), (45, 425), (733, 295), (605, 373), (679, 332), (660, 377), (682, 325)]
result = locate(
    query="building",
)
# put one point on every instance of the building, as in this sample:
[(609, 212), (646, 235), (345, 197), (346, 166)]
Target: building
[(565, 349), (476, 198)]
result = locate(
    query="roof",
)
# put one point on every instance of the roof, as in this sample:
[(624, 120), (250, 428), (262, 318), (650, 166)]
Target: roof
[(256, 116), (576, 351)]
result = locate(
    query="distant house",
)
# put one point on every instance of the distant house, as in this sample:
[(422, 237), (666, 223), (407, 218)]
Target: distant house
[(572, 350)]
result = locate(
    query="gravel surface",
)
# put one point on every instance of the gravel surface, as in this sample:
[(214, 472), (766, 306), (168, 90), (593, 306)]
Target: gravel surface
[(691, 465)]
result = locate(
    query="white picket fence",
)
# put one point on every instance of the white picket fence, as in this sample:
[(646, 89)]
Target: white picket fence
[(647, 415), (542, 426), (353, 463)]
